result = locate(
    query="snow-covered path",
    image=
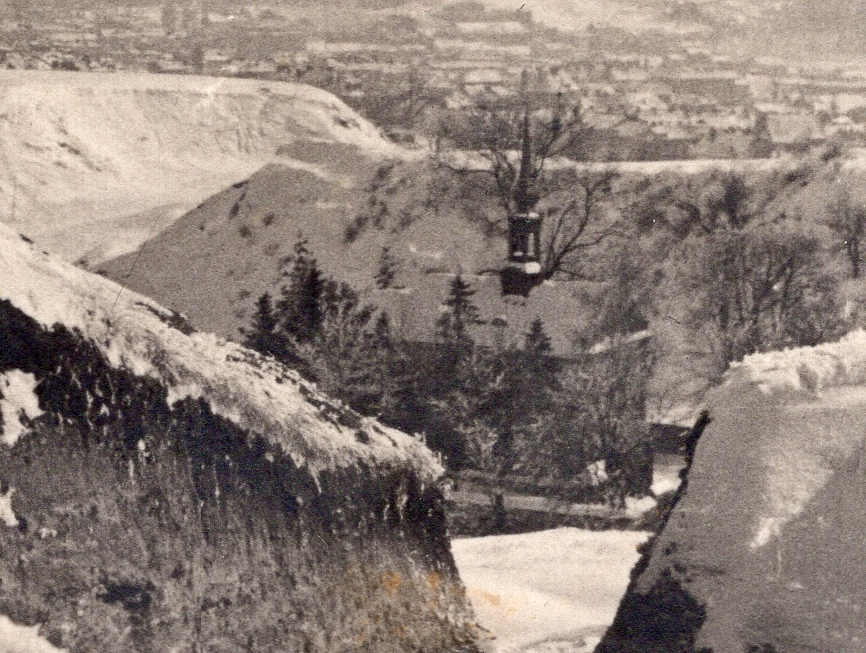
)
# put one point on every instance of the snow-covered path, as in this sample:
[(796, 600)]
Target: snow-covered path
[(550, 591)]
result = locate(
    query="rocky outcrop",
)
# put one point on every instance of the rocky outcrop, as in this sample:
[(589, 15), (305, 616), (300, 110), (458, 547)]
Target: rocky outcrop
[(763, 551), (162, 490)]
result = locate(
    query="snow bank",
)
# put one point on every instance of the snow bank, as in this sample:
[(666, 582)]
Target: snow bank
[(807, 368), (558, 586), (255, 393)]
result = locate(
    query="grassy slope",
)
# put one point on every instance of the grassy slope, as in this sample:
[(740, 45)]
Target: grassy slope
[(215, 261)]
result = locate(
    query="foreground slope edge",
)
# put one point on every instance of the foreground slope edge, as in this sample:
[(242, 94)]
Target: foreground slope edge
[(763, 549), (166, 490)]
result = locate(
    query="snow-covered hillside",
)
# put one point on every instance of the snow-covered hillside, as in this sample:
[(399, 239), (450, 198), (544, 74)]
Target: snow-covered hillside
[(763, 549), (162, 489), (92, 163)]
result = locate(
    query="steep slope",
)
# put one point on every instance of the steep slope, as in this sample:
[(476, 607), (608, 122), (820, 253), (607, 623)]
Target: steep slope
[(763, 550), (215, 261), (90, 164), (163, 489)]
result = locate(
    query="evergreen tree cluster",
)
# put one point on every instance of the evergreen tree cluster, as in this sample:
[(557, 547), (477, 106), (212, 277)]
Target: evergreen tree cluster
[(321, 328), (515, 410)]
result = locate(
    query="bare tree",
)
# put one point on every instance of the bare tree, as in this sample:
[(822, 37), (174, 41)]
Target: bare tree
[(705, 204), (515, 142), (575, 222), (497, 130), (757, 289)]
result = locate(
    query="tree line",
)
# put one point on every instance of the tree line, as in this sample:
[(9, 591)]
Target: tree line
[(509, 410), (717, 262)]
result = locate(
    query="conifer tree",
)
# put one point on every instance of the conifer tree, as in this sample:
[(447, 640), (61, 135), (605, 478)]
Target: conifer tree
[(452, 327), (387, 270), (382, 332), (299, 309), (536, 340), (262, 333)]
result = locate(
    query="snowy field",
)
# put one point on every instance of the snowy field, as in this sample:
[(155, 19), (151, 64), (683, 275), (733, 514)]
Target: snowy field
[(553, 591)]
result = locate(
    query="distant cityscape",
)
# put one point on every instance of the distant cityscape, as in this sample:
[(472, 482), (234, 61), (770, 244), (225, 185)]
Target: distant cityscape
[(652, 97)]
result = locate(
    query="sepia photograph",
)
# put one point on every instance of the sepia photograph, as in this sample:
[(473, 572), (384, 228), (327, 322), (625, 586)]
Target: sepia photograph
[(432, 326)]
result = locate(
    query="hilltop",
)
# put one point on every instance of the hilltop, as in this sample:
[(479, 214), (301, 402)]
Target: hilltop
[(91, 164)]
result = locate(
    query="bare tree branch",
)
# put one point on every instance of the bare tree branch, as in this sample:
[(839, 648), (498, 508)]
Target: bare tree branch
[(516, 141)]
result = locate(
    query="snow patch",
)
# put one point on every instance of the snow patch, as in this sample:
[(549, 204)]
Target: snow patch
[(808, 368), (23, 639), (6, 512), (18, 399), (597, 472), (664, 483), (768, 528), (635, 508), (551, 590)]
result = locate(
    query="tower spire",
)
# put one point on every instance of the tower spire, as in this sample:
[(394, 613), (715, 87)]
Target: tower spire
[(524, 196)]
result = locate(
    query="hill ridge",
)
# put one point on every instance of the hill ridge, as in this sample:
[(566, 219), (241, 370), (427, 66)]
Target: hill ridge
[(91, 163)]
